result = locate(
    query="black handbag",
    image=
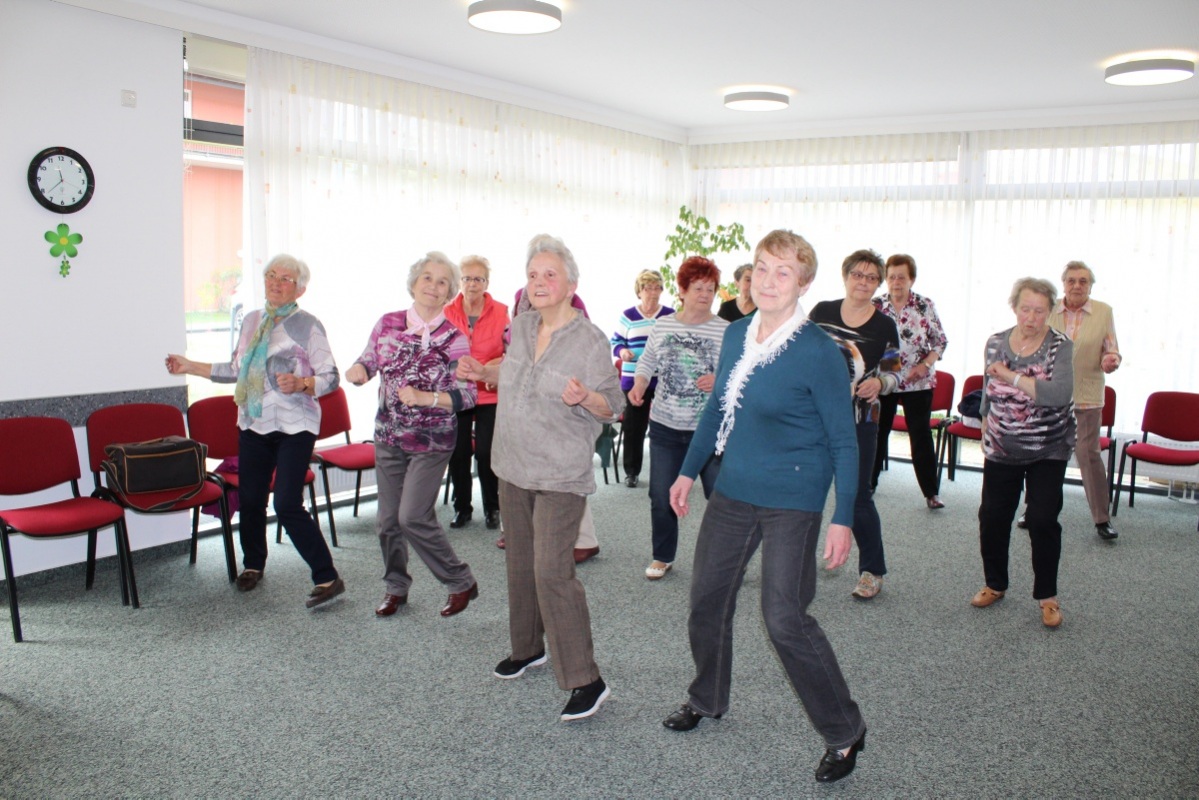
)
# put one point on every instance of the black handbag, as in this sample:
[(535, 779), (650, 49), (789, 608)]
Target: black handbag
[(140, 469)]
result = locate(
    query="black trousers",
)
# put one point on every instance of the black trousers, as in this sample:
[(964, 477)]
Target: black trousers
[(482, 419), (917, 411), (1001, 497), (634, 426)]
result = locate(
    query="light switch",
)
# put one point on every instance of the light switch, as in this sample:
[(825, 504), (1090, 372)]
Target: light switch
[(129, 98)]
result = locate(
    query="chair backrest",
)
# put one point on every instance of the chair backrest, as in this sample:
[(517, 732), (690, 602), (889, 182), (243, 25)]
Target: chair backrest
[(1172, 415), (335, 415), (132, 422), (1108, 417), (973, 383), (36, 453), (943, 392), (213, 421)]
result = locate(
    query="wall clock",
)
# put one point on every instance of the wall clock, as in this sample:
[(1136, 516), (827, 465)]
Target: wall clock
[(61, 179)]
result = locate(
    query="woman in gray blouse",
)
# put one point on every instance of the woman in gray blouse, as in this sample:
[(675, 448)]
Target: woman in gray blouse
[(1028, 436), (556, 388)]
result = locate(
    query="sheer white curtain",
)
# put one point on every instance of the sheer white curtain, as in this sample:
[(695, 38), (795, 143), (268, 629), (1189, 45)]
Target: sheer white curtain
[(979, 210), (361, 174)]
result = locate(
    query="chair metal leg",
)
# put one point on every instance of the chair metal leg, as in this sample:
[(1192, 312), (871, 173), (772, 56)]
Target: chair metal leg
[(357, 492), (11, 581), (126, 552), (1120, 480), (195, 534), (316, 515), (227, 537), (328, 503), (90, 569)]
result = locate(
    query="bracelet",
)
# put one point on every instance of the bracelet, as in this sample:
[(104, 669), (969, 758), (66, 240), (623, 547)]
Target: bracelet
[(1016, 379), (436, 397)]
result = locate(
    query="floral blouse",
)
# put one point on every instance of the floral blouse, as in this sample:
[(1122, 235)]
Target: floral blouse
[(404, 361), (920, 333)]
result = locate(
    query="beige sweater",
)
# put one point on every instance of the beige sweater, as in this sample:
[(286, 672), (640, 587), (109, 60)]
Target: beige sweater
[(1088, 351)]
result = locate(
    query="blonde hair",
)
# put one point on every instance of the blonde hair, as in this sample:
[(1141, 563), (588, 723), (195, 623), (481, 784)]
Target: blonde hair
[(645, 278), (782, 243)]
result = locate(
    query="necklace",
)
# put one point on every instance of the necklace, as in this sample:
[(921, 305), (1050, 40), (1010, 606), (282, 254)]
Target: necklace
[(1024, 348)]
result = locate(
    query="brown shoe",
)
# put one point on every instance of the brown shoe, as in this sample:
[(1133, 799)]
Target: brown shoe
[(391, 604), (459, 601), (248, 579), (500, 543), (986, 596), (584, 553), (1051, 614), (324, 593)]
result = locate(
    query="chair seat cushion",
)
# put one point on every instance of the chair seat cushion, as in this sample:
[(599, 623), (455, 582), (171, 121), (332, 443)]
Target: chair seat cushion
[(1169, 456), (900, 424), (74, 515), (209, 493), (233, 480), (965, 431), (1104, 443), (349, 457)]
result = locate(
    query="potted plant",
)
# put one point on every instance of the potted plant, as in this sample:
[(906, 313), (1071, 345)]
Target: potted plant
[(694, 236)]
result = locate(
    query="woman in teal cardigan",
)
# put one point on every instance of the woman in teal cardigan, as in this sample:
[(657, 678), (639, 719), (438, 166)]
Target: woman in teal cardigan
[(779, 418)]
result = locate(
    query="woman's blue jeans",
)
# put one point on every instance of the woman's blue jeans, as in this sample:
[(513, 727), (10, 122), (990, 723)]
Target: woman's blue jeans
[(667, 449), (867, 528), (728, 537)]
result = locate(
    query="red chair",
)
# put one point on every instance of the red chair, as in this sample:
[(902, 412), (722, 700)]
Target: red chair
[(958, 430), (38, 453), (213, 421), (1169, 415), (1108, 420), (349, 457), (942, 401), (139, 422)]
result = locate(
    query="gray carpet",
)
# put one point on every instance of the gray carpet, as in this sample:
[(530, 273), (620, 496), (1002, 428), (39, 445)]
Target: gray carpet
[(207, 692)]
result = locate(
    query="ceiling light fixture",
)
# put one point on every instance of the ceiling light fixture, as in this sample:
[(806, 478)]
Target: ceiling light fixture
[(514, 16), (756, 101), (1149, 72)]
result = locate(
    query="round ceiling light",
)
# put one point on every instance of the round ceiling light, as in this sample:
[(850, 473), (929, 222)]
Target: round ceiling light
[(1149, 72), (514, 16), (756, 101)]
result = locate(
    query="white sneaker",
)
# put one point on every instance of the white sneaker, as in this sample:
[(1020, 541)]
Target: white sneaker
[(657, 569), (868, 586)]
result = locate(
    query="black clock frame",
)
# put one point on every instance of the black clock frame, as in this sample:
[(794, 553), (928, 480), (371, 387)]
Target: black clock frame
[(36, 163)]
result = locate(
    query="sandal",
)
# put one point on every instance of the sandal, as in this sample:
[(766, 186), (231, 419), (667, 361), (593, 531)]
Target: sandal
[(657, 569)]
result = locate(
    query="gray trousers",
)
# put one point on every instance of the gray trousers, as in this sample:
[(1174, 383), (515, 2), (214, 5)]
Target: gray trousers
[(408, 487), (546, 600), (728, 537)]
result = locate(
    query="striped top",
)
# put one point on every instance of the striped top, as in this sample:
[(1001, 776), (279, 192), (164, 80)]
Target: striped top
[(632, 332)]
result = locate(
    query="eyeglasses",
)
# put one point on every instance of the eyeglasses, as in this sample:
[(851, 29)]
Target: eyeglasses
[(287, 280), (1078, 281), (869, 277), (472, 279)]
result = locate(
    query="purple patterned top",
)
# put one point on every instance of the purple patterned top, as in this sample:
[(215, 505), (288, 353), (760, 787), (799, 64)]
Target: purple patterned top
[(402, 361)]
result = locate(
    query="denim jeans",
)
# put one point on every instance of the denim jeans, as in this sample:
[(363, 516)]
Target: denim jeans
[(285, 455), (867, 528), (1001, 498), (728, 537), (667, 448)]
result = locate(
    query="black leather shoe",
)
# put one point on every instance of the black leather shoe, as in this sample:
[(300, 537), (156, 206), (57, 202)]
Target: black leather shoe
[(1022, 523), (493, 520), (684, 719), (461, 518), (834, 766), (1106, 531), (630, 481)]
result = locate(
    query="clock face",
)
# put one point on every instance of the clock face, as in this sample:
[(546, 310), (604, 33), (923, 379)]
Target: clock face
[(61, 179)]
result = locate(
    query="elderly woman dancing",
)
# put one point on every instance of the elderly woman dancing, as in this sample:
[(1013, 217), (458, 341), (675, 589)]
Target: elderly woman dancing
[(868, 338), (556, 387), (681, 355), (417, 352), (282, 363), (779, 416), (1028, 436), (922, 342)]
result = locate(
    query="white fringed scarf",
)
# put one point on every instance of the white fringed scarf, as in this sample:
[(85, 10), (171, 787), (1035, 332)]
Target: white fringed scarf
[(755, 354)]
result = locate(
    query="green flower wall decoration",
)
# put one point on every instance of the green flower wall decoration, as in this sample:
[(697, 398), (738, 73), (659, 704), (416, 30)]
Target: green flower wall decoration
[(63, 241)]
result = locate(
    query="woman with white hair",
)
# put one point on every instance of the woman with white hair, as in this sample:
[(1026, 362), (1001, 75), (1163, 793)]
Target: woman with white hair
[(282, 363), (556, 388), (416, 351)]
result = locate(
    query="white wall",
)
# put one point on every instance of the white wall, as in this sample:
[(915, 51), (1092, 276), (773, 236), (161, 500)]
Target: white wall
[(107, 326)]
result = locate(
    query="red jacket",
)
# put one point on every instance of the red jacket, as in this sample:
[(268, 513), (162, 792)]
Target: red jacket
[(487, 338)]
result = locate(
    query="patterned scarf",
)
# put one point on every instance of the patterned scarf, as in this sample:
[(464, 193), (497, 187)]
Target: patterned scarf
[(754, 354), (251, 380)]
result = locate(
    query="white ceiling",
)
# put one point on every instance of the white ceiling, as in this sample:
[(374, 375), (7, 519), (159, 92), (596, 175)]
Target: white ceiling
[(662, 66)]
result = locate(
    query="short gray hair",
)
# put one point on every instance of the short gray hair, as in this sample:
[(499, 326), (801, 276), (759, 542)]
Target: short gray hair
[(291, 264), (477, 261), (433, 257), (741, 270), (544, 243), (1037, 286), (1073, 265)]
